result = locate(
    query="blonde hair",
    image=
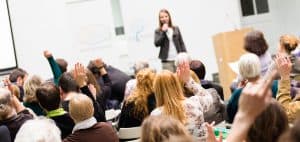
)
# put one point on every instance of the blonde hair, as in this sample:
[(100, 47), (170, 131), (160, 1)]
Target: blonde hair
[(169, 95), (249, 66), (289, 42), (80, 107), (30, 86), (139, 96), (163, 129)]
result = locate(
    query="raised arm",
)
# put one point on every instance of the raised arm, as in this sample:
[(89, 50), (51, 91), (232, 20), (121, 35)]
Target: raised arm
[(54, 66), (80, 77), (205, 99), (283, 97), (253, 101)]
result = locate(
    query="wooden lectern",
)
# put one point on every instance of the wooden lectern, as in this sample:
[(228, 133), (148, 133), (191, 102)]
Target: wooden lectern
[(228, 48)]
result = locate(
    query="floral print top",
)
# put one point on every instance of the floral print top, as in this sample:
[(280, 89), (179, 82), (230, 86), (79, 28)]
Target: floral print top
[(195, 107)]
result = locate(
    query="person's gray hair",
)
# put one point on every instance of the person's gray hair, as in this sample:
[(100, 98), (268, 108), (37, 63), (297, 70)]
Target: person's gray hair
[(5, 103), (249, 66), (182, 57), (41, 129), (139, 65)]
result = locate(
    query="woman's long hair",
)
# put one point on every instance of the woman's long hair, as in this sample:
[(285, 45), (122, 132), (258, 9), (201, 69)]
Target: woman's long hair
[(169, 95), (164, 129), (139, 96)]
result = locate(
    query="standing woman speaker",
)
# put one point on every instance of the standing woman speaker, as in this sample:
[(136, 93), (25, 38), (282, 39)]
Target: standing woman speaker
[(169, 39)]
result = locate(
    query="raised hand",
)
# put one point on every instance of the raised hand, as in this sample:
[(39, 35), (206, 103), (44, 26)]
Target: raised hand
[(183, 71), (284, 66), (79, 75), (255, 98), (210, 133), (47, 54), (98, 62)]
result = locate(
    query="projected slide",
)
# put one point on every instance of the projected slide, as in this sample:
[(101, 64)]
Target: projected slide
[(7, 52)]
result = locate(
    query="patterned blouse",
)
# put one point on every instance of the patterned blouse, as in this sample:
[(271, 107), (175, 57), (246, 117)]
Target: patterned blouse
[(195, 107)]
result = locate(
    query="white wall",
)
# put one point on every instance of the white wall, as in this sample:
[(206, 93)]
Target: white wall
[(198, 21), (39, 25)]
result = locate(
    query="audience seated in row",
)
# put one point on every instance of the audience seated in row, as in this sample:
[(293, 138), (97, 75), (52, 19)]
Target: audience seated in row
[(86, 126), (141, 101), (255, 42), (12, 113), (49, 98), (131, 84), (249, 70), (171, 101), (29, 99), (38, 130), (164, 129), (118, 81)]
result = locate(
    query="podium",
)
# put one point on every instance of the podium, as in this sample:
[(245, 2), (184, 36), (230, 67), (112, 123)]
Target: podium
[(228, 48)]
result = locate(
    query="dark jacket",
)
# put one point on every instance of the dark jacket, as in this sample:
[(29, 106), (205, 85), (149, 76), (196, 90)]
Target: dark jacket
[(4, 134), (161, 40), (100, 132), (65, 123), (118, 82), (14, 123), (127, 119)]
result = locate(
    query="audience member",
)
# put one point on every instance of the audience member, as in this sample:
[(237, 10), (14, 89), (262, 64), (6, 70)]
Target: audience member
[(198, 67), (57, 66), (86, 126), (12, 113), (49, 98), (217, 111), (30, 100), (249, 70), (38, 130), (131, 84), (284, 67), (87, 85), (164, 129), (269, 125), (254, 100), (254, 42), (171, 101), (287, 44), (118, 81), (67, 84), (18, 77), (140, 103)]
